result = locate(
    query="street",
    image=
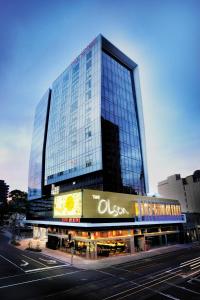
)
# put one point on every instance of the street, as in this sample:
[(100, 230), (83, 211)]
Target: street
[(28, 275)]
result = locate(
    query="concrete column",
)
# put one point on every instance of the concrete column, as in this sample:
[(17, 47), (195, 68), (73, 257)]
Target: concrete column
[(132, 245), (88, 250), (35, 232), (141, 243), (93, 250), (165, 239)]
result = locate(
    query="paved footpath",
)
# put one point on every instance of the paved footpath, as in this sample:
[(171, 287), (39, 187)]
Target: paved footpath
[(88, 264)]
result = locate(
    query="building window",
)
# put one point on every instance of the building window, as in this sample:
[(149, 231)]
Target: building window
[(88, 65), (74, 106), (88, 95), (88, 84), (89, 55), (88, 132), (88, 161)]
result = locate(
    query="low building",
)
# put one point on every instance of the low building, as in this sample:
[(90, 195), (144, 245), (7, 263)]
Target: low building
[(98, 223), (187, 191)]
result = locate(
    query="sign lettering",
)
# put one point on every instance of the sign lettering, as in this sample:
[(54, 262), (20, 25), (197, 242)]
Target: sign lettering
[(104, 206)]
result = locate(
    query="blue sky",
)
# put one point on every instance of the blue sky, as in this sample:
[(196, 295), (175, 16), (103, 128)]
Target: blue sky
[(40, 38)]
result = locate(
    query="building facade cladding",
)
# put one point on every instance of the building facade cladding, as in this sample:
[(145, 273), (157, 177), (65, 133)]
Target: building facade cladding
[(186, 190), (36, 163), (74, 130)]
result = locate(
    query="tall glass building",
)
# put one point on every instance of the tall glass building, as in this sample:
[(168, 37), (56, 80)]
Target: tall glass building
[(88, 130), (87, 175)]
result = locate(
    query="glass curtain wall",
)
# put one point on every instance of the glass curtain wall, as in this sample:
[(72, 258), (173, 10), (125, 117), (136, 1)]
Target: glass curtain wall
[(36, 156), (74, 133), (122, 159)]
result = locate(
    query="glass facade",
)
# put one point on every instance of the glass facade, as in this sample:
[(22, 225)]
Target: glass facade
[(122, 155), (35, 180), (93, 136), (74, 130)]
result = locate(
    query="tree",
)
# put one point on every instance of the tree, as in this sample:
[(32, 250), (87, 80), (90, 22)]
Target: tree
[(18, 202)]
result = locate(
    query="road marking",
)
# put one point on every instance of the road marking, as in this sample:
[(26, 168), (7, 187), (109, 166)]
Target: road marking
[(147, 287), (194, 279), (196, 263), (158, 292), (45, 268), (38, 262), (183, 288), (35, 280), (190, 261), (113, 275), (5, 277), (11, 262), (48, 261), (60, 260), (24, 264), (191, 274), (123, 270), (168, 296), (143, 286), (195, 267)]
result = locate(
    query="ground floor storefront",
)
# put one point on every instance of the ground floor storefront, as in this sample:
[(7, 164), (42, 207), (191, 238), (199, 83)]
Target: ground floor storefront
[(94, 244)]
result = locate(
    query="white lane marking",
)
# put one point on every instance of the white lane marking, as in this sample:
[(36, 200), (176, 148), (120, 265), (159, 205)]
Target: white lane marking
[(169, 296), (45, 268), (113, 275), (194, 279), (24, 263), (60, 260), (191, 274), (182, 288), (195, 267), (5, 277), (35, 280), (182, 265), (143, 286), (190, 261), (48, 261), (158, 292), (11, 262), (196, 263), (123, 270), (34, 260)]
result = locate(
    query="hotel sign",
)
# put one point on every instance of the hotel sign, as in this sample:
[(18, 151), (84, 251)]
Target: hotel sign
[(92, 204), (97, 204)]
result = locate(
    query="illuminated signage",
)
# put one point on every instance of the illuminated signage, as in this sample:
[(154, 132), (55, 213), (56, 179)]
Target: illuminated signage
[(104, 206), (68, 205), (71, 220), (100, 204)]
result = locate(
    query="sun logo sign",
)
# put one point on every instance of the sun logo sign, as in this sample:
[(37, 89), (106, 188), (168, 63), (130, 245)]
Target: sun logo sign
[(68, 205)]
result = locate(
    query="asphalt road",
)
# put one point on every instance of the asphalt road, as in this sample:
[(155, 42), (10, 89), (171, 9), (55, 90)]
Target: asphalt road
[(27, 275)]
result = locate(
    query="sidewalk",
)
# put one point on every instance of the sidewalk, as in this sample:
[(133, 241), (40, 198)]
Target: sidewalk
[(88, 264)]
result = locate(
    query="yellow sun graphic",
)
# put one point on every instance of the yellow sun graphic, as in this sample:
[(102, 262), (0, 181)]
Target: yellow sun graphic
[(69, 204)]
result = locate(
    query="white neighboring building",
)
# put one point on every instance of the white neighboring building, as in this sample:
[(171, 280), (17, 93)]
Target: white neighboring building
[(186, 190)]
